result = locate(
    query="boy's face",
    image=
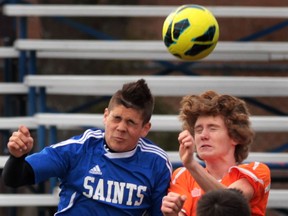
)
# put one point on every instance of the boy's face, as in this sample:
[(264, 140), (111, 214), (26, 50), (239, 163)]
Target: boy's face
[(212, 139), (123, 127)]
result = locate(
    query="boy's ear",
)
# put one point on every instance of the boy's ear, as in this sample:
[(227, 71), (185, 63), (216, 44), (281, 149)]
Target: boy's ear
[(145, 130), (106, 113)]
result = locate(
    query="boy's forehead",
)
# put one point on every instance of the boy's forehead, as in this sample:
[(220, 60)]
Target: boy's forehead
[(210, 119), (124, 111)]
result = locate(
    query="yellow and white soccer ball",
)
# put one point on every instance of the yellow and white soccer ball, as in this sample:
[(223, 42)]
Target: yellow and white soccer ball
[(190, 32)]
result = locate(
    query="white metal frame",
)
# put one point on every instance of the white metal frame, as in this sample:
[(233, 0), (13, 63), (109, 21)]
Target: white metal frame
[(277, 199), (171, 85), (137, 10), (153, 50), (159, 122)]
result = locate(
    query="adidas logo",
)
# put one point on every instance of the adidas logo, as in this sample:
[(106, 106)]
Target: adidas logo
[(95, 170)]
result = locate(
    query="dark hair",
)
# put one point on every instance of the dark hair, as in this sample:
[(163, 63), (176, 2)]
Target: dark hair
[(223, 202), (233, 110), (135, 95)]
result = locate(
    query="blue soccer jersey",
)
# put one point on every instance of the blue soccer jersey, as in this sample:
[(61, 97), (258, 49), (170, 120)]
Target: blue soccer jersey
[(94, 181)]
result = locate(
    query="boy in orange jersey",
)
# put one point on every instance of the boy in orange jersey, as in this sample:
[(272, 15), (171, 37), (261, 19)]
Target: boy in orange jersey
[(218, 128)]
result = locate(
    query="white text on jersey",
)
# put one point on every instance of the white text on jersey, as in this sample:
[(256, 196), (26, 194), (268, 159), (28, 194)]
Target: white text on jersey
[(113, 191)]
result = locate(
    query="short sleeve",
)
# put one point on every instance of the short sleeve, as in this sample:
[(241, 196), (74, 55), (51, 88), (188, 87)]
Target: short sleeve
[(49, 162), (258, 175), (161, 187), (183, 183)]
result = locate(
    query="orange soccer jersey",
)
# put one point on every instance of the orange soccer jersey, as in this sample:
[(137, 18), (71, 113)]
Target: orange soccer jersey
[(258, 174)]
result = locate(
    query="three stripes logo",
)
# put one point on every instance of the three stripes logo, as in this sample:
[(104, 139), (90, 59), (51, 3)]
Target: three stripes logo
[(95, 170)]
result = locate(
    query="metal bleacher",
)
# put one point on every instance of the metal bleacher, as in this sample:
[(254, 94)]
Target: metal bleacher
[(37, 87)]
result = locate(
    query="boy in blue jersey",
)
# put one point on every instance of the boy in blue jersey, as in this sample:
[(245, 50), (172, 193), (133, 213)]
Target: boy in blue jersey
[(115, 171)]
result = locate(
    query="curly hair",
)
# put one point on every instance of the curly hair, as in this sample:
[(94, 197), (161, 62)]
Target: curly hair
[(233, 110)]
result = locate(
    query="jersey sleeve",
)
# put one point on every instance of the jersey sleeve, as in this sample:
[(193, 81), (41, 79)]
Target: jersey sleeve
[(49, 162), (182, 183), (55, 160), (258, 175), (162, 183)]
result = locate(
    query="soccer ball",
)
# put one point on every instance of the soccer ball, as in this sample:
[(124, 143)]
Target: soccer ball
[(190, 32)]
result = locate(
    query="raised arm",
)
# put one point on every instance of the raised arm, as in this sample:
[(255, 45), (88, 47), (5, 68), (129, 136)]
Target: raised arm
[(17, 172)]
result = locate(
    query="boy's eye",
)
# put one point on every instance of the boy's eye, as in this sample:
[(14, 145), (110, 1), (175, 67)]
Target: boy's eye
[(131, 122), (198, 130), (117, 118), (213, 128), (128, 122)]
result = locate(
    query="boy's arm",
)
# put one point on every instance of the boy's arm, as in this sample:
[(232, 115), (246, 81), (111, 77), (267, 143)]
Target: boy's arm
[(17, 172)]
